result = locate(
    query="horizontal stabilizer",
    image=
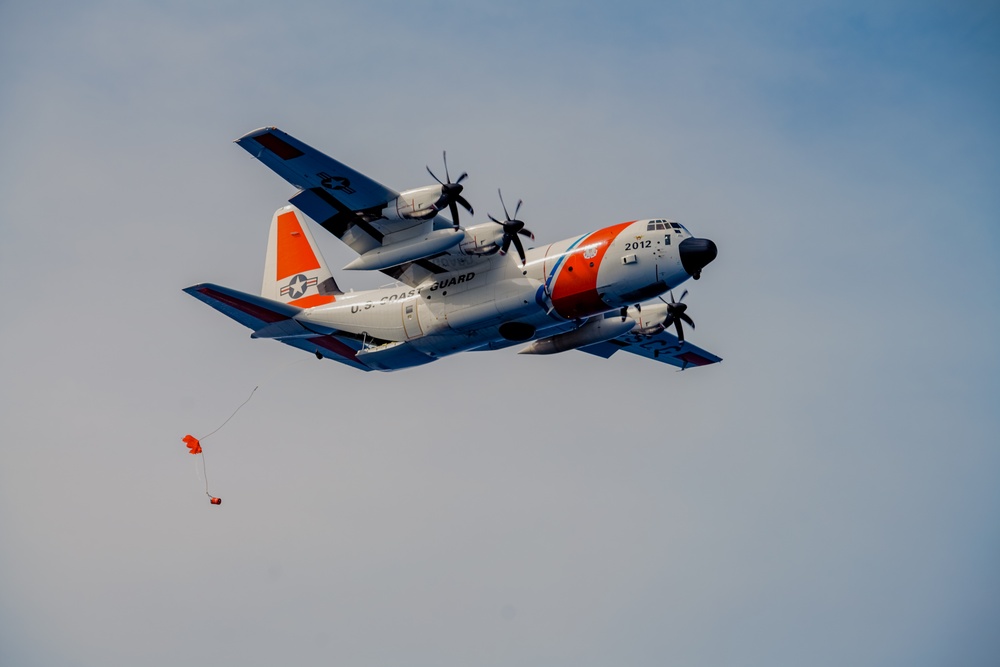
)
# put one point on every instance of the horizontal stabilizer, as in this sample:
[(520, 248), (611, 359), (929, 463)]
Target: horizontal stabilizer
[(249, 310), (271, 319), (283, 329)]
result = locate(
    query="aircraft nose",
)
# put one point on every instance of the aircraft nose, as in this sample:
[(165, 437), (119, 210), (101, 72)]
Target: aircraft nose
[(696, 254)]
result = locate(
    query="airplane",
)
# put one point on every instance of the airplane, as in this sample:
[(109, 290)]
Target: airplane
[(457, 288)]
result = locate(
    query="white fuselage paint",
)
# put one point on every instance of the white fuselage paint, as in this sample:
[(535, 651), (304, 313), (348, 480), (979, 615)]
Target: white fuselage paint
[(465, 308)]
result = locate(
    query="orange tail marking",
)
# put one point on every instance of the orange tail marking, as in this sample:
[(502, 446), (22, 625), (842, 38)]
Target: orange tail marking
[(294, 253)]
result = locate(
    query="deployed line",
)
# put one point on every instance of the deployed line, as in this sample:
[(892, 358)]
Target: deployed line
[(204, 437), (194, 444)]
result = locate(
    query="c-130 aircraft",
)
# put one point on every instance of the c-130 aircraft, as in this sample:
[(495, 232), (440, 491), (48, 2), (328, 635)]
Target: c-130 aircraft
[(458, 288)]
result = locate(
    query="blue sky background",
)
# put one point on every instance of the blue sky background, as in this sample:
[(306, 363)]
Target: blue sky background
[(827, 495)]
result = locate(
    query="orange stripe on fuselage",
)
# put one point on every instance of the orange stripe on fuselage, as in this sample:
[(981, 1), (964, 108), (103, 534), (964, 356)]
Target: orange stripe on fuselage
[(313, 300), (574, 293), (294, 253)]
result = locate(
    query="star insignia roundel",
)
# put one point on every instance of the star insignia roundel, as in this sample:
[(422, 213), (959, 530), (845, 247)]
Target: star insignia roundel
[(298, 286)]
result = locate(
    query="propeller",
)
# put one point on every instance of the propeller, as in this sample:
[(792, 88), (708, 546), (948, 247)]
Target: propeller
[(511, 228), (451, 193), (676, 314), (624, 310)]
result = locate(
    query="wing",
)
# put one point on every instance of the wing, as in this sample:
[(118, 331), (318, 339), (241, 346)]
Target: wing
[(345, 202), (349, 205), (664, 347), (272, 319)]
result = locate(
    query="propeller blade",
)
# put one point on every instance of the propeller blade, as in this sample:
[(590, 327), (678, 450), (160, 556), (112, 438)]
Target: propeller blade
[(505, 213), (451, 192), (512, 227), (520, 248), (676, 314), (461, 200)]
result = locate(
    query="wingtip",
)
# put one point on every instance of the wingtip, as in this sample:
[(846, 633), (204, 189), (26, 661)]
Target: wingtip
[(200, 288), (253, 133)]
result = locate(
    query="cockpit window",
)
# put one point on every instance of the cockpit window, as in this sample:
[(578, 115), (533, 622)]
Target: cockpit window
[(666, 225)]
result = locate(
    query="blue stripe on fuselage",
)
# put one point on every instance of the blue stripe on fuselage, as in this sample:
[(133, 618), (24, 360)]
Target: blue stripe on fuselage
[(565, 254)]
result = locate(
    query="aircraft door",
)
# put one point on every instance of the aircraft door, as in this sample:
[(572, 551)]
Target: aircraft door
[(411, 322)]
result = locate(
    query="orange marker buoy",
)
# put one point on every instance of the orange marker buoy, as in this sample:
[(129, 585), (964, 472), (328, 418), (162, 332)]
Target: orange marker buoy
[(194, 447), (192, 443)]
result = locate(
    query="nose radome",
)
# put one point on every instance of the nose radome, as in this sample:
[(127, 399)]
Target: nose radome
[(696, 254)]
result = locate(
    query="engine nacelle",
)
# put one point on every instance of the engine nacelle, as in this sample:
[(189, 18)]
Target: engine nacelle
[(420, 203), (410, 250), (648, 321), (484, 239)]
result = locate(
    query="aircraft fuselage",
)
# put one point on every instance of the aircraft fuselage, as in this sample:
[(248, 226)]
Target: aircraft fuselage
[(497, 303)]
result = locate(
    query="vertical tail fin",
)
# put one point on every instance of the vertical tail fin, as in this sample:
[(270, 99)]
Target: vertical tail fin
[(294, 270)]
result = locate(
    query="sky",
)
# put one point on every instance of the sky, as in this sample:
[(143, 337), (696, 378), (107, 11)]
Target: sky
[(826, 495)]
